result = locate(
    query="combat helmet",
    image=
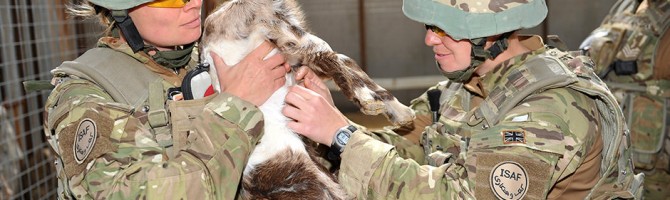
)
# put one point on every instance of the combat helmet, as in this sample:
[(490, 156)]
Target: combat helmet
[(119, 4), (475, 20), (119, 13)]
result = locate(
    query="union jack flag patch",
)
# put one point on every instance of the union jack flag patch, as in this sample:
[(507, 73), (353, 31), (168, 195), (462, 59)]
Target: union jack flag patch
[(514, 137)]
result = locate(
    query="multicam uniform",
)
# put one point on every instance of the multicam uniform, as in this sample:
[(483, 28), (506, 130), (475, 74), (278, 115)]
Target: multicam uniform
[(541, 125), (632, 53), (128, 141)]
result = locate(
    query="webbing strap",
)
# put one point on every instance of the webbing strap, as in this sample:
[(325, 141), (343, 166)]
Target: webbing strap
[(37, 85), (659, 14), (158, 116), (543, 72), (652, 87), (104, 67)]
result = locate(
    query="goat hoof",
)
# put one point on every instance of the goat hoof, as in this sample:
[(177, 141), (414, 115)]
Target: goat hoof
[(398, 113), (373, 107)]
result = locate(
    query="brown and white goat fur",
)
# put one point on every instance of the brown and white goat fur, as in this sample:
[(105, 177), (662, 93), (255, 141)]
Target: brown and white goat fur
[(280, 166)]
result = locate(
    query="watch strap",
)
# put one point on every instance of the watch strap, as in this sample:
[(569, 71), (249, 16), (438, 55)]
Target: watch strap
[(337, 148)]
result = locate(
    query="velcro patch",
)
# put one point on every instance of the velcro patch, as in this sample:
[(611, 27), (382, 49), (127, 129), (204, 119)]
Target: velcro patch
[(511, 176), (509, 180), (84, 140), (513, 137)]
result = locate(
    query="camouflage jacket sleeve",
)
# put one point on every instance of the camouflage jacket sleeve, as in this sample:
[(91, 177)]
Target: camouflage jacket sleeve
[(381, 173), (398, 137), (557, 134), (406, 139), (126, 161)]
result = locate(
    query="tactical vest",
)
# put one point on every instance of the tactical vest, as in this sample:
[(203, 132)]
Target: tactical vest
[(140, 89), (627, 40), (625, 48), (132, 90), (551, 69)]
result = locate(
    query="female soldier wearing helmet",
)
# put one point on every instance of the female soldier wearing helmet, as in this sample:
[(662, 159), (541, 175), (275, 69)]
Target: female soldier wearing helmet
[(118, 133), (516, 120)]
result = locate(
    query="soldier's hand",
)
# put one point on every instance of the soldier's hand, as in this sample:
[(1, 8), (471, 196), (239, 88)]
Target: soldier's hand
[(254, 78), (313, 116), (311, 81)]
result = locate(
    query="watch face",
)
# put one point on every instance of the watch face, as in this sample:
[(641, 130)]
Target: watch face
[(342, 137)]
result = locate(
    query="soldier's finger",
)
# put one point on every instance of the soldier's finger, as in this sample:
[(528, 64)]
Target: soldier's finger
[(279, 82), (303, 92), (291, 112), (275, 61), (294, 98), (278, 72), (218, 61), (301, 73), (261, 51)]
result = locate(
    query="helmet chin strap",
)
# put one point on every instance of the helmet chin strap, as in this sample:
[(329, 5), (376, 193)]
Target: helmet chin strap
[(170, 59), (477, 56), (128, 29)]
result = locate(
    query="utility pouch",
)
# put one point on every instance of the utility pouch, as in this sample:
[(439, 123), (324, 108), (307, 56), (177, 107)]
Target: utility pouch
[(647, 115), (439, 147), (197, 83)]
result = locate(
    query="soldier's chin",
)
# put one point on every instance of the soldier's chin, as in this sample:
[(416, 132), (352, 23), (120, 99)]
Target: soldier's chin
[(449, 67)]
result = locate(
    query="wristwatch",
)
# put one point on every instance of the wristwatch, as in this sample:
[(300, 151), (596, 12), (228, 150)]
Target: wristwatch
[(341, 138)]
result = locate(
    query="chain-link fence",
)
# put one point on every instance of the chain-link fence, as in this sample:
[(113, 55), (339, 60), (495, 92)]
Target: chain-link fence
[(35, 37)]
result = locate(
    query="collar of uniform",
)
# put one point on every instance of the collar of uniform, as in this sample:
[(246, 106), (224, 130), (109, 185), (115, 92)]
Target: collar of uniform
[(173, 77), (492, 78), (475, 86), (532, 42)]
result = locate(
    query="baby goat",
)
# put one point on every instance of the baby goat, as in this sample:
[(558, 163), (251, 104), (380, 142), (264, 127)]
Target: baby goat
[(280, 166)]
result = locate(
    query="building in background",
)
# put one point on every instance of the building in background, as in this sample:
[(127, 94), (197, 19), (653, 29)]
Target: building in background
[(37, 35)]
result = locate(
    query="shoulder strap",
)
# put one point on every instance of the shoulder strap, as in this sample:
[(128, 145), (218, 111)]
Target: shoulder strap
[(616, 166), (658, 12), (103, 65), (535, 75)]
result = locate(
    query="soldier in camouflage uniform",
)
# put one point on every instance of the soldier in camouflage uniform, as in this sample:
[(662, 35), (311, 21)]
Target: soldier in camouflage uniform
[(116, 133), (631, 50), (516, 120)]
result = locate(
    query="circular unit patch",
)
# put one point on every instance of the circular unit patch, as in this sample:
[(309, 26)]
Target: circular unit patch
[(84, 139), (509, 180)]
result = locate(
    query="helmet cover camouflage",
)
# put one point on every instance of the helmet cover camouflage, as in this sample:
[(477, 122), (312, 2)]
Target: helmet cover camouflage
[(470, 19), (119, 4)]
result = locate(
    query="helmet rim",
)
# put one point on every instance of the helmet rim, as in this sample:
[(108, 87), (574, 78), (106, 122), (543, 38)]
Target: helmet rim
[(119, 4), (460, 24)]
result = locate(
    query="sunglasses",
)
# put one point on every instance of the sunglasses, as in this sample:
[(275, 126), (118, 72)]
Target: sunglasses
[(168, 3), (436, 30)]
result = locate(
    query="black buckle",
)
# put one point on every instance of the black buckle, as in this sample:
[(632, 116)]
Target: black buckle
[(624, 68)]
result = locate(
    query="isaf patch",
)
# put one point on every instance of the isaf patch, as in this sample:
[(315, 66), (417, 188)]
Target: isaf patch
[(514, 137), (512, 173), (509, 180), (84, 139)]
